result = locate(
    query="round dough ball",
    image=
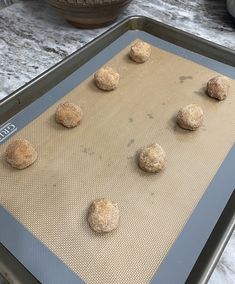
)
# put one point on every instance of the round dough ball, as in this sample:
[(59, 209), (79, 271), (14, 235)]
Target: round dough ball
[(190, 117), (106, 78), (21, 153), (152, 158), (140, 52), (103, 215), (218, 87), (68, 114)]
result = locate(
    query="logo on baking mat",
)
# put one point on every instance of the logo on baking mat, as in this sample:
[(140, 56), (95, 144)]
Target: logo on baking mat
[(6, 130)]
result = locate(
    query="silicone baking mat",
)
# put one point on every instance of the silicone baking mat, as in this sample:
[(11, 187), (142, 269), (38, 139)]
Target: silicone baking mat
[(97, 159)]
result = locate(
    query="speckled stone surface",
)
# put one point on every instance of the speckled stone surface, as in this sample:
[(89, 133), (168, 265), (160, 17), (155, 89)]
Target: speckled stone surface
[(33, 37)]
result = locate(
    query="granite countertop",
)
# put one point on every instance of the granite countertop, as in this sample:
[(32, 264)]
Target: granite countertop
[(33, 37)]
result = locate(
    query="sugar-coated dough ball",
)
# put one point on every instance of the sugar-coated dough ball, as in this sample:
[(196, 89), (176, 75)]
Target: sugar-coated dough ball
[(103, 215), (106, 78), (140, 52), (190, 117), (152, 158), (21, 153), (218, 87), (68, 114)]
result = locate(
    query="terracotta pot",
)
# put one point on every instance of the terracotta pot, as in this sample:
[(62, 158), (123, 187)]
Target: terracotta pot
[(89, 13)]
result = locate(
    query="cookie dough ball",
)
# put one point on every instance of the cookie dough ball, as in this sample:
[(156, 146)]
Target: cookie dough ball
[(152, 158), (103, 215), (218, 87), (190, 117), (140, 52), (21, 153), (68, 114), (106, 78)]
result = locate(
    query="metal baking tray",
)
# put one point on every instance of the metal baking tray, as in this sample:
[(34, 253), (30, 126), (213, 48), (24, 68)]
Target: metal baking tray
[(194, 254)]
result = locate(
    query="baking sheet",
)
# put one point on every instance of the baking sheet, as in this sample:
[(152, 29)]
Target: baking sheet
[(97, 159)]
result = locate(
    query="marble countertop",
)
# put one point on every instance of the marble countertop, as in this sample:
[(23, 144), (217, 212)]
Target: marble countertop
[(33, 37)]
